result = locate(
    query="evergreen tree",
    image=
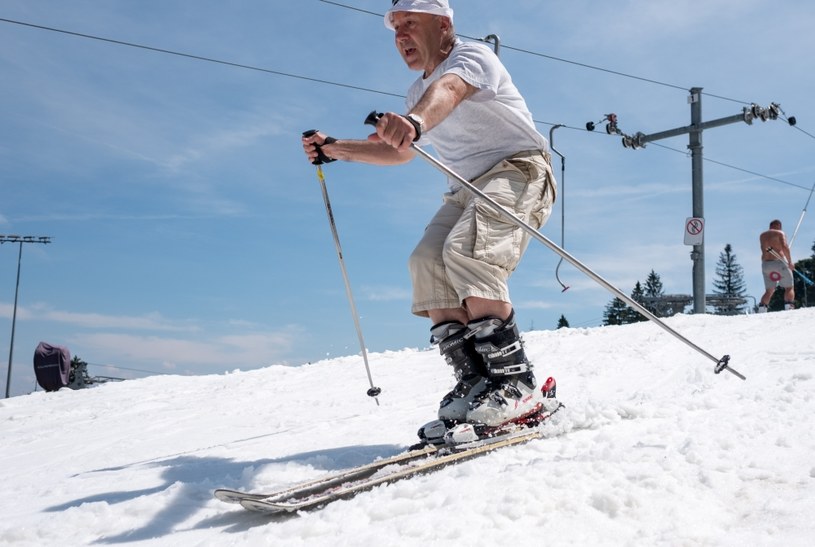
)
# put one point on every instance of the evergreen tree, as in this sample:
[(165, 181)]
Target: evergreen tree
[(562, 322), (637, 295), (804, 293), (653, 292), (729, 283), (615, 312)]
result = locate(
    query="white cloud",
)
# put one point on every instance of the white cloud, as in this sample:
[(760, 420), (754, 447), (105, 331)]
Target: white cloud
[(216, 353), (384, 293)]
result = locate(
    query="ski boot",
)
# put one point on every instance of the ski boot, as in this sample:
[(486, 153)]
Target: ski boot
[(456, 345), (511, 393)]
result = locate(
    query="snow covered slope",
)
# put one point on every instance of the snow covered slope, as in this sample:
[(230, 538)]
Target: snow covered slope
[(656, 449)]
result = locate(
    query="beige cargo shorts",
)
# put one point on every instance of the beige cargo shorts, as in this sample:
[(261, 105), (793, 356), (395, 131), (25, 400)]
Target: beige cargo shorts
[(469, 249)]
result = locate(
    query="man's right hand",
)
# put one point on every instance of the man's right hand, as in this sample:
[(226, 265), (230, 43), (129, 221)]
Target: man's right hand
[(394, 130), (313, 142)]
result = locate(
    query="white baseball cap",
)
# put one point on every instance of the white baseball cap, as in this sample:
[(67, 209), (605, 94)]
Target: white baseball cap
[(433, 7)]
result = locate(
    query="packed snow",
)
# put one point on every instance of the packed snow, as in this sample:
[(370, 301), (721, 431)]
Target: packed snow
[(652, 448)]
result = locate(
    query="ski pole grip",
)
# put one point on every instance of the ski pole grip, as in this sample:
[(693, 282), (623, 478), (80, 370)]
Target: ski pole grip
[(321, 157), (373, 117)]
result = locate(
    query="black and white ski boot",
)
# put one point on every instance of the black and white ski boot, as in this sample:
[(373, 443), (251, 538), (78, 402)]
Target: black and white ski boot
[(511, 393), (456, 346)]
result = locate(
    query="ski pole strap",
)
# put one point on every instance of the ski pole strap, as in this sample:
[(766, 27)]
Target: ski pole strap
[(321, 156)]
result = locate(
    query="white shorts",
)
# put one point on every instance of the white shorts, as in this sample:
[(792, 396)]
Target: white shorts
[(776, 272)]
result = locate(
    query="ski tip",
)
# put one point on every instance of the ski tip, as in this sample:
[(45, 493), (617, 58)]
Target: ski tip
[(234, 496), (259, 506)]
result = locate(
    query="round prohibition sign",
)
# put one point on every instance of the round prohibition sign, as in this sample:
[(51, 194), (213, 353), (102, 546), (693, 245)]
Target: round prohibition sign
[(695, 226)]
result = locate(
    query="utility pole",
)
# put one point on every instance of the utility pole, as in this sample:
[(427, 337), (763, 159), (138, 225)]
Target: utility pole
[(694, 132), (20, 240), (697, 197)]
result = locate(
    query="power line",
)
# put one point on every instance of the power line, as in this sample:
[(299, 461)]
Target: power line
[(560, 59), (723, 164), (685, 153), (198, 57), (130, 369), (583, 65), (371, 90)]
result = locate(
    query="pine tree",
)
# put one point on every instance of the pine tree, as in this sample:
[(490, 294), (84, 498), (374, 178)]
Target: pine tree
[(729, 283), (804, 293), (653, 293), (615, 312), (637, 295), (562, 322)]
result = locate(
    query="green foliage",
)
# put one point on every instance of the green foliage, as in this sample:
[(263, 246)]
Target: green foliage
[(562, 322), (617, 312), (637, 296), (729, 283), (653, 293), (804, 293), (653, 285)]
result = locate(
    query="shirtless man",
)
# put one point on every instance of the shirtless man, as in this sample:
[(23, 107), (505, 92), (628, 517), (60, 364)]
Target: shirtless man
[(776, 272)]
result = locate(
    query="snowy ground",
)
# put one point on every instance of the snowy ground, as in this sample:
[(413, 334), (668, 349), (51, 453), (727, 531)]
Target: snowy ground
[(655, 449)]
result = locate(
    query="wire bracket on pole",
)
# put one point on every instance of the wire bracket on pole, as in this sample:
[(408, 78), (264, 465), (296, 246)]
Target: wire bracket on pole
[(373, 391), (495, 40), (721, 364), (562, 197), (639, 139)]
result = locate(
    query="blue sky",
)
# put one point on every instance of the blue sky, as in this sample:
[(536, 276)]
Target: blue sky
[(189, 234)]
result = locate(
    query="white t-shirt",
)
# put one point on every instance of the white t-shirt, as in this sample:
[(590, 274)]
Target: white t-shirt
[(491, 125)]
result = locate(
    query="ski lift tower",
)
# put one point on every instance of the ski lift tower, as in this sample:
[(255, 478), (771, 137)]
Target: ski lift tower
[(694, 131)]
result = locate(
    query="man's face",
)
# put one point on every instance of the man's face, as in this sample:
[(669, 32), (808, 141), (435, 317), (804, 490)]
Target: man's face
[(418, 38)]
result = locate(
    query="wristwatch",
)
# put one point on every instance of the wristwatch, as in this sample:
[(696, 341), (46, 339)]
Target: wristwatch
[(418, 124)]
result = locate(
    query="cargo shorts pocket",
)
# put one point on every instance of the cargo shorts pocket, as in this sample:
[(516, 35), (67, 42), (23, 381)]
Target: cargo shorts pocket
[(496, 240), (541, 189)]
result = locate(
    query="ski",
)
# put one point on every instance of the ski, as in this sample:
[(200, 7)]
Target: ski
[(347, 484), (327, 481), (433, 462)]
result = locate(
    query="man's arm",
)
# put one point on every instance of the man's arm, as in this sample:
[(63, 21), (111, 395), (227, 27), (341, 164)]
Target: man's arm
[(441, 98), (786, 250), (438, 101), (370, 151)]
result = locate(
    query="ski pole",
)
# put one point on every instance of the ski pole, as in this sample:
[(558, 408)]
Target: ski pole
[(321, 158), (721, 364), (807, 280)]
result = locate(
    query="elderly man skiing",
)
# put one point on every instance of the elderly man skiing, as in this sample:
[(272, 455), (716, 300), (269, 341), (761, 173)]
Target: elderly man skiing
[(466, 106)]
